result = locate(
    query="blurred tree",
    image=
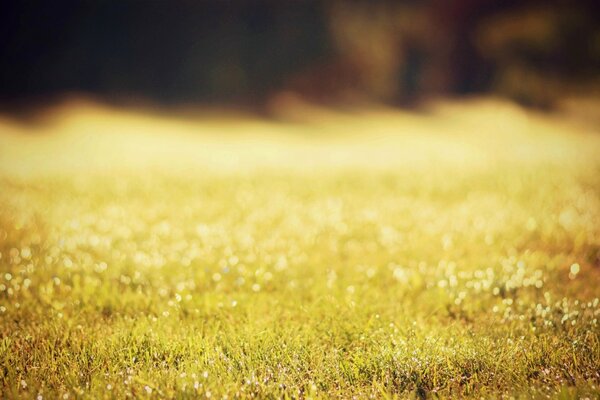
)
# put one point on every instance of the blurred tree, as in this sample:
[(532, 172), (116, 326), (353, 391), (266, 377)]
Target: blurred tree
[(323, 50)]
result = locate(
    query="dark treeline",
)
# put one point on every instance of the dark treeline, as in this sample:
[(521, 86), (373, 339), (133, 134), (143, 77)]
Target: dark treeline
[(249, 51)]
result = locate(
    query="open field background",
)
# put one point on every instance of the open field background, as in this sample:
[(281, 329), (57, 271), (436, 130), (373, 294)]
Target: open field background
[(452, 252)]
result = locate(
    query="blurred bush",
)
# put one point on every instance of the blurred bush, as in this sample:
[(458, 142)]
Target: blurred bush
[(531, 51)]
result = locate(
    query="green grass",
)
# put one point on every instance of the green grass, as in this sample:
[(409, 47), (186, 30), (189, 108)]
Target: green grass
[(474, 275)]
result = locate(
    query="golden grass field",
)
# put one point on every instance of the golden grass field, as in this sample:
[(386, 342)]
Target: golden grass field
[(449, 252)]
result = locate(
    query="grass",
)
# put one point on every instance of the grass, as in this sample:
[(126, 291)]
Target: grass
[(382, 255)]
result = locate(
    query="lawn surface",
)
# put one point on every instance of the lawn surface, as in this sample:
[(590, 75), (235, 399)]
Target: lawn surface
[(453, 252)]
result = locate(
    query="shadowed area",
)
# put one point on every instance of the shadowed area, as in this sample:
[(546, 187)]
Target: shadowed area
[(248, 52)]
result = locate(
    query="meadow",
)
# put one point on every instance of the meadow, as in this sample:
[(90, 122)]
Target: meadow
[(452, 252)]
